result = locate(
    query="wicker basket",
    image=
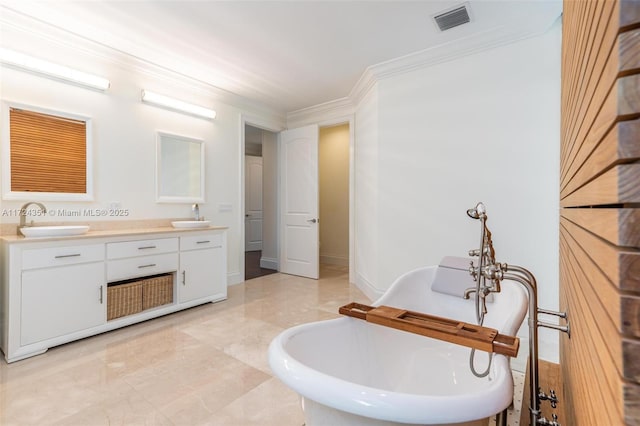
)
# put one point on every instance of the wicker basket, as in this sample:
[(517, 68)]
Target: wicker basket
[(157, 291), (124, 299)]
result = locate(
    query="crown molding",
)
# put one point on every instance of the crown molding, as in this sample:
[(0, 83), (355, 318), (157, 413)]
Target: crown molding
[(456, 49), (21, 24), (333, 110), (537, 25), (365, 83)]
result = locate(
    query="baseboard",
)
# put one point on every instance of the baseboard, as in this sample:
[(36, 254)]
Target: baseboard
[(234, 278), (367, 288), (334, 260), (269, 263)]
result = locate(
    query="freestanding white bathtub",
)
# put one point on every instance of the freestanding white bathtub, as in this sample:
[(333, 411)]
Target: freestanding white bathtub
[(351, 372)]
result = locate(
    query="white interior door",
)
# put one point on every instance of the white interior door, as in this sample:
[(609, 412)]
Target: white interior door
[(299, 202), (253, 203)]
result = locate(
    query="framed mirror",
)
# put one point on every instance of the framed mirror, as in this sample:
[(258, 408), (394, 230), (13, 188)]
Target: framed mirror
[(180, 169)]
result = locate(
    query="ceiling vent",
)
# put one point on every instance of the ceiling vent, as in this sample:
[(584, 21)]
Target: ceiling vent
[(452, 18)]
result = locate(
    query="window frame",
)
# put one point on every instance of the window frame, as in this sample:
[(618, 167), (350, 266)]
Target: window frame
[(7, 193)]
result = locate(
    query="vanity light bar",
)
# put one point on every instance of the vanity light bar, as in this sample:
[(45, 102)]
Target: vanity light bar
[(175, 104), (49, 69)]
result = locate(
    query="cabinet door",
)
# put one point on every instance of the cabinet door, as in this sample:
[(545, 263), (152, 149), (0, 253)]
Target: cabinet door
[(202, 274), (59, 301)]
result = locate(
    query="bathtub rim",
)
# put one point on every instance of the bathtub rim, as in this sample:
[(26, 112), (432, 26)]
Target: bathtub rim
[(510, 324), (396, 406), (384, 404)]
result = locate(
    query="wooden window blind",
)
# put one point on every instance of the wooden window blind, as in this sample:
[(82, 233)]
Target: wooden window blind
[(48, 153)]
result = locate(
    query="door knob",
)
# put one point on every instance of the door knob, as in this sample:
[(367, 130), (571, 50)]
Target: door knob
[(312, 220)]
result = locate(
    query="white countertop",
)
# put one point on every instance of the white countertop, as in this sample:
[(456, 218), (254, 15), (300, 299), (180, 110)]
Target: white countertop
[(110, 233)]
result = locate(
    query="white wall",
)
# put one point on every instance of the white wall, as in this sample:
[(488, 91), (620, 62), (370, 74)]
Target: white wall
[(124, 134), (480, 128), (366, 195)]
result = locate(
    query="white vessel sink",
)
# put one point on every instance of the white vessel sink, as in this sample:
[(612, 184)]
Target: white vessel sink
[(53, 231), (191, 224)]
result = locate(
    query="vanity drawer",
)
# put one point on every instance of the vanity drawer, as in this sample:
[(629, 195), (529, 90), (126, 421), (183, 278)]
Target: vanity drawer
[(60, 256), (194, 242), (141, 248), (123, 269)]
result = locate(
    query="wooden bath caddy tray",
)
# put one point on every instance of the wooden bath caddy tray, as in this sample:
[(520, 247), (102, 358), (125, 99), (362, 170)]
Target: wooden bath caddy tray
[(453, 331)]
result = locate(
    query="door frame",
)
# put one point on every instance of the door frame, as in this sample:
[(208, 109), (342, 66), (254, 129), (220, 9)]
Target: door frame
[(276, 127), (270, 126), (350, 120)]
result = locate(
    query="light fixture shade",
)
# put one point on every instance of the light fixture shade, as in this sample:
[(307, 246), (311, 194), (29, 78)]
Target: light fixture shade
[(177, 105), (52, 70)]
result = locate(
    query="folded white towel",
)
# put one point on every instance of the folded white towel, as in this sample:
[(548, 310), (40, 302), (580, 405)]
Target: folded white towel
[(452, 277)]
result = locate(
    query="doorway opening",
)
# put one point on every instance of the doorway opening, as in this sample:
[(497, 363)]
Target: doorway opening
[(321, 161), (260, 215), (333, 194), (316, 195)]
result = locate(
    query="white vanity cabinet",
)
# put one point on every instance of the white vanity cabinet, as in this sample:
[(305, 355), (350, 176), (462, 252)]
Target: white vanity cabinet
[(63, 291), (201, 267), (131, 259), (55, 290)]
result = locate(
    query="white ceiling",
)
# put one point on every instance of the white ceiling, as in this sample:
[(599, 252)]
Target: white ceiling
[(284, 54)]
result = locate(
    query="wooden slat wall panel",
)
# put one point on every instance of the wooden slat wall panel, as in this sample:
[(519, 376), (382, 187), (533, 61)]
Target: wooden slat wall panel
[(584, 43), (621, 310), (619, 264), (580, 109), (616, 186), (600, 218), (602, 121), (602, 293), (622, 60), (629, 15), (618, 146), (629, 57), (591, 361), (632, 403), (616, 106)]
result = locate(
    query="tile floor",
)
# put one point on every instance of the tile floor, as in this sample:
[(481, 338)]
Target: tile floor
[(203, 366), (252, 268)]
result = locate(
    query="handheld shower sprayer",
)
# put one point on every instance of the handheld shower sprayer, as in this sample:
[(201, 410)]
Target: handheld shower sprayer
[(478, 211), (495, 272), (486, 268)]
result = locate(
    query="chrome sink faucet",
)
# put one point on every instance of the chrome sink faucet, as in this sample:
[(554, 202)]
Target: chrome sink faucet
[(196, 211), (23, 213)]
